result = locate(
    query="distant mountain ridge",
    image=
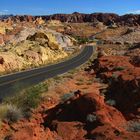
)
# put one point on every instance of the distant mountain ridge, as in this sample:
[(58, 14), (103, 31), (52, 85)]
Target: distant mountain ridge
[(106, 18), (5, 16)]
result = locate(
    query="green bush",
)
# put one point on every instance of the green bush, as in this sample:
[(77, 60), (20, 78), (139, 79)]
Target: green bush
[(28, 99), (82, 40), (119, 68)]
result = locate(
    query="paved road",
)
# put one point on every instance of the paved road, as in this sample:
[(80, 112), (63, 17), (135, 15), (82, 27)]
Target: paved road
[(12, 83)]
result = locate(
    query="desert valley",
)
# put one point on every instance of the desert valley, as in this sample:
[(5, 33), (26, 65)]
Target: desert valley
[(99, 100)]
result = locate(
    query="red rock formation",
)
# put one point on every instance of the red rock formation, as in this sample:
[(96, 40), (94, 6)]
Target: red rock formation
[(106, 18), (83, 116), (78, 111), (26, 18), (124, 80)]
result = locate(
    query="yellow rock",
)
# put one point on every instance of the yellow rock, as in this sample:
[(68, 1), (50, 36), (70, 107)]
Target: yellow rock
[(45, 39), (54, 23), (4, 27), (40, 48), (52, 42), (11, 62), (39, 21), (2, 30)]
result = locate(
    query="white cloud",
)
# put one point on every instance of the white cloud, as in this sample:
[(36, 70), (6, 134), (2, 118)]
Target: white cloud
[(4, 12), (134, 12)]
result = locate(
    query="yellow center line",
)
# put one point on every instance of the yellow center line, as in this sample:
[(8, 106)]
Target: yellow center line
[(39, 73)]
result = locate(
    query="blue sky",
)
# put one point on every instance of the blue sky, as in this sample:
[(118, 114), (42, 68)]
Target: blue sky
[(45, 7)]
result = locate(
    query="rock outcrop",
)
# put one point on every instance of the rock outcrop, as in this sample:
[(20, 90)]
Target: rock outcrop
[(39, 21), (54, 23), (123, 77), (5, 27), (132, 36), (87, 111), (33, 48)]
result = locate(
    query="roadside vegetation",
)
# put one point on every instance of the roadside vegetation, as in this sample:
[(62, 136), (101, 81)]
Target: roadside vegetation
[(82, 40), (133, 126), (20, 106)]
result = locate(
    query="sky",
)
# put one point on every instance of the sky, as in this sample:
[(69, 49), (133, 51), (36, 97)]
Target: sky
[(47, 7)]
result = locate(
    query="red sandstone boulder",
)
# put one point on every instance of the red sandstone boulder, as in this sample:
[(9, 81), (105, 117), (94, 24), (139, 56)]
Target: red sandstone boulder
[(69, 130), (82, 114)]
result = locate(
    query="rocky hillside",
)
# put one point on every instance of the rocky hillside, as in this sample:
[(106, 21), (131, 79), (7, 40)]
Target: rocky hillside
[(87, 104), (31, 48), (97, 101), (106, 18)]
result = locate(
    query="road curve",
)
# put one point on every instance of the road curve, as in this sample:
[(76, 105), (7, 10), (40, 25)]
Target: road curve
[(12, 83)]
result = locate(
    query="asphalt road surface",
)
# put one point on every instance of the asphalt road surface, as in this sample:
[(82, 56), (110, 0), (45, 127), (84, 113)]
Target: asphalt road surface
[(13, 83)]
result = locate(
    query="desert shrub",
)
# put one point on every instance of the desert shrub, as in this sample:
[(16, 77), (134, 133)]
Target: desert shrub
[(3, 111), (80, 79), (13, 114), (10, 112), (69, 76), (57, 78), (43, 87), (111, 102), (0, 124), (73, 71), (66, 97), (100, 42), (28, 99), (91, 118), (99, 80), (119, 68), (89, 83), (134, 127), (81, 40), (114, 78), (7, 137), (103, 92)]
